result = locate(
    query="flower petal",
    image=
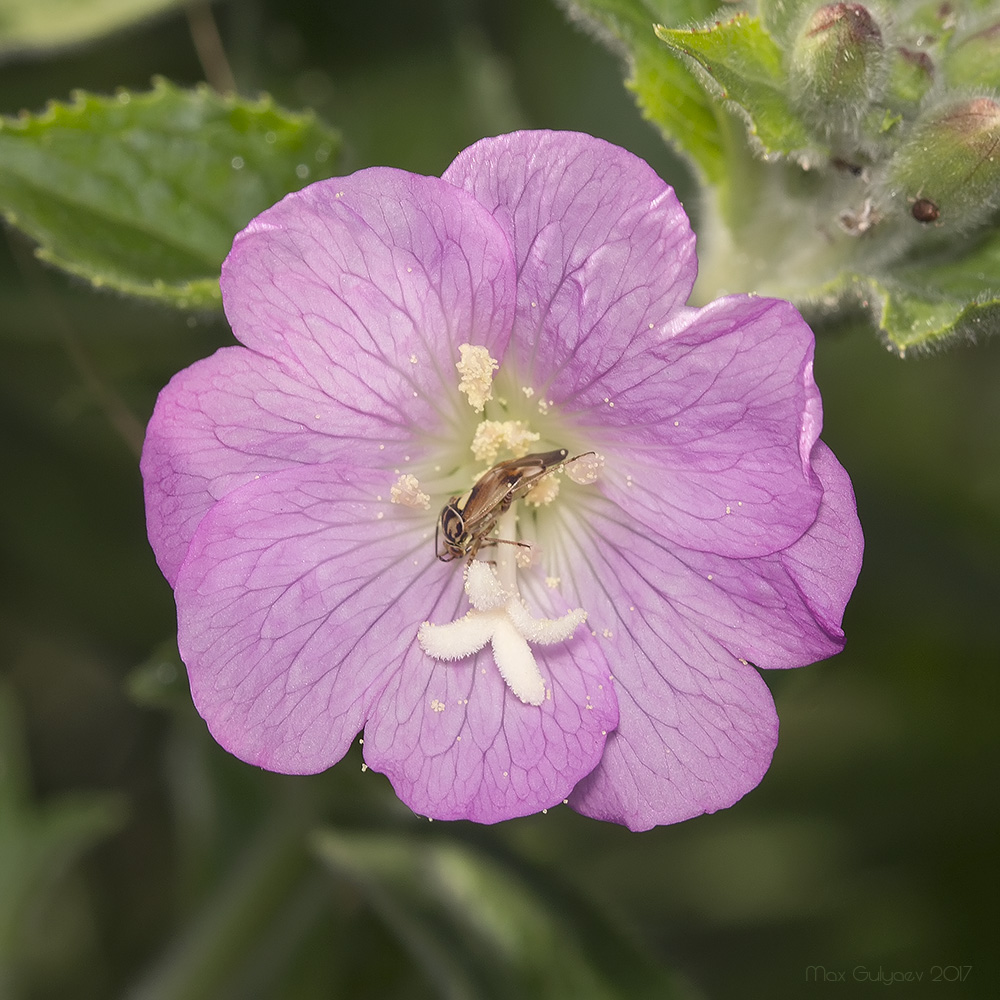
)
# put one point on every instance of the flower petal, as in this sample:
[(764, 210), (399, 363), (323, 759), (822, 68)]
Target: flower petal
[(709, 443), (697, 727), (457, 743), (605, 255), (354, 294), (300, 595), (826, 561)]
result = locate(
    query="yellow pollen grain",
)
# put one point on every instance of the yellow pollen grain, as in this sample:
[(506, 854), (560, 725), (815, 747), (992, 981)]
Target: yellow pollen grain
[(437, 705), (528, 391), (552, 582), (608, 634), (476, 368), (494, 436), (413, 359), (544, 492), (406, 491)]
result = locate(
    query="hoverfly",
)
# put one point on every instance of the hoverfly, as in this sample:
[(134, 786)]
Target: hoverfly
[(467, 520)]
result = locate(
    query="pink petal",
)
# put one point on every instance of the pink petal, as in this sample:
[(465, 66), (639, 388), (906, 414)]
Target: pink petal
[(354, 294), (605, 255), (301, 594), (709, 429), (697, 727), (456, 743), (826, 561)]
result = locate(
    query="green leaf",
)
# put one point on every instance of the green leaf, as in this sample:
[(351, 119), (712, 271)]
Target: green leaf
[(38, 25), (143, 193), (926, 303), (667, 92), (744, 67), (484, 930)]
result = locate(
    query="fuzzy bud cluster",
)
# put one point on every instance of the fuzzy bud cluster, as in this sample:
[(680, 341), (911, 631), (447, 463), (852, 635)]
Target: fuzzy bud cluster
[(904, 102)]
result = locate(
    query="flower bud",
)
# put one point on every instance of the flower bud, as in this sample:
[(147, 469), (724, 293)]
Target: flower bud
[(837, 66), (948, 169)]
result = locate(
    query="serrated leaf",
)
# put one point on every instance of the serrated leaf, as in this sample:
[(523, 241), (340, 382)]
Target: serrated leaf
[(39, 25), (667, 92), (927, 303), (744, 67), (482, 930), (143, 193)]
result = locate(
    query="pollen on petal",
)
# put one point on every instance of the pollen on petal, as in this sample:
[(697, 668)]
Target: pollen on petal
[(406, 491), (476, 368)]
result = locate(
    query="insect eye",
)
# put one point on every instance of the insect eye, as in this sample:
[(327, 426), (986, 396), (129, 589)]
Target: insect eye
[(452, 523)]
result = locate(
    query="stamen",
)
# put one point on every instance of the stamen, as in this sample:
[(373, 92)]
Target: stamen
[(476, 368), (494, 436), (406, 491), (544, 492)]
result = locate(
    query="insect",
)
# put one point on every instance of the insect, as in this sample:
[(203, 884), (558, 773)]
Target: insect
[(467, 520)]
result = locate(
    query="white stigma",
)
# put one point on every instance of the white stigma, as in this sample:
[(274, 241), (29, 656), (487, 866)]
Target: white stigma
[(499, 616)]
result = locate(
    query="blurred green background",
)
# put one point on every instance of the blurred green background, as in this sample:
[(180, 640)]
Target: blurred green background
[(137, 859)]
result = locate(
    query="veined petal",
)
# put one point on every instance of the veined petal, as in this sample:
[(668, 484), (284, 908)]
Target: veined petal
[(349, 278), (233, 418), (300, 595), (605, 255), (457, 743), (707, 450), (697, 727), (826, 561), (353, 295)]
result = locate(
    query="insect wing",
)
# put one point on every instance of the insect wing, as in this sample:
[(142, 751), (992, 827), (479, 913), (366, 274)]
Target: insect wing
[(467, 520)]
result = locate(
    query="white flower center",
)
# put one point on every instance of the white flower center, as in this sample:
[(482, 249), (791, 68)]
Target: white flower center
[(485, 517), (499, 616)]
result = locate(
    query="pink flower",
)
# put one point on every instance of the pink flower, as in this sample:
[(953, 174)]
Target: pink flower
[(401, 335)]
